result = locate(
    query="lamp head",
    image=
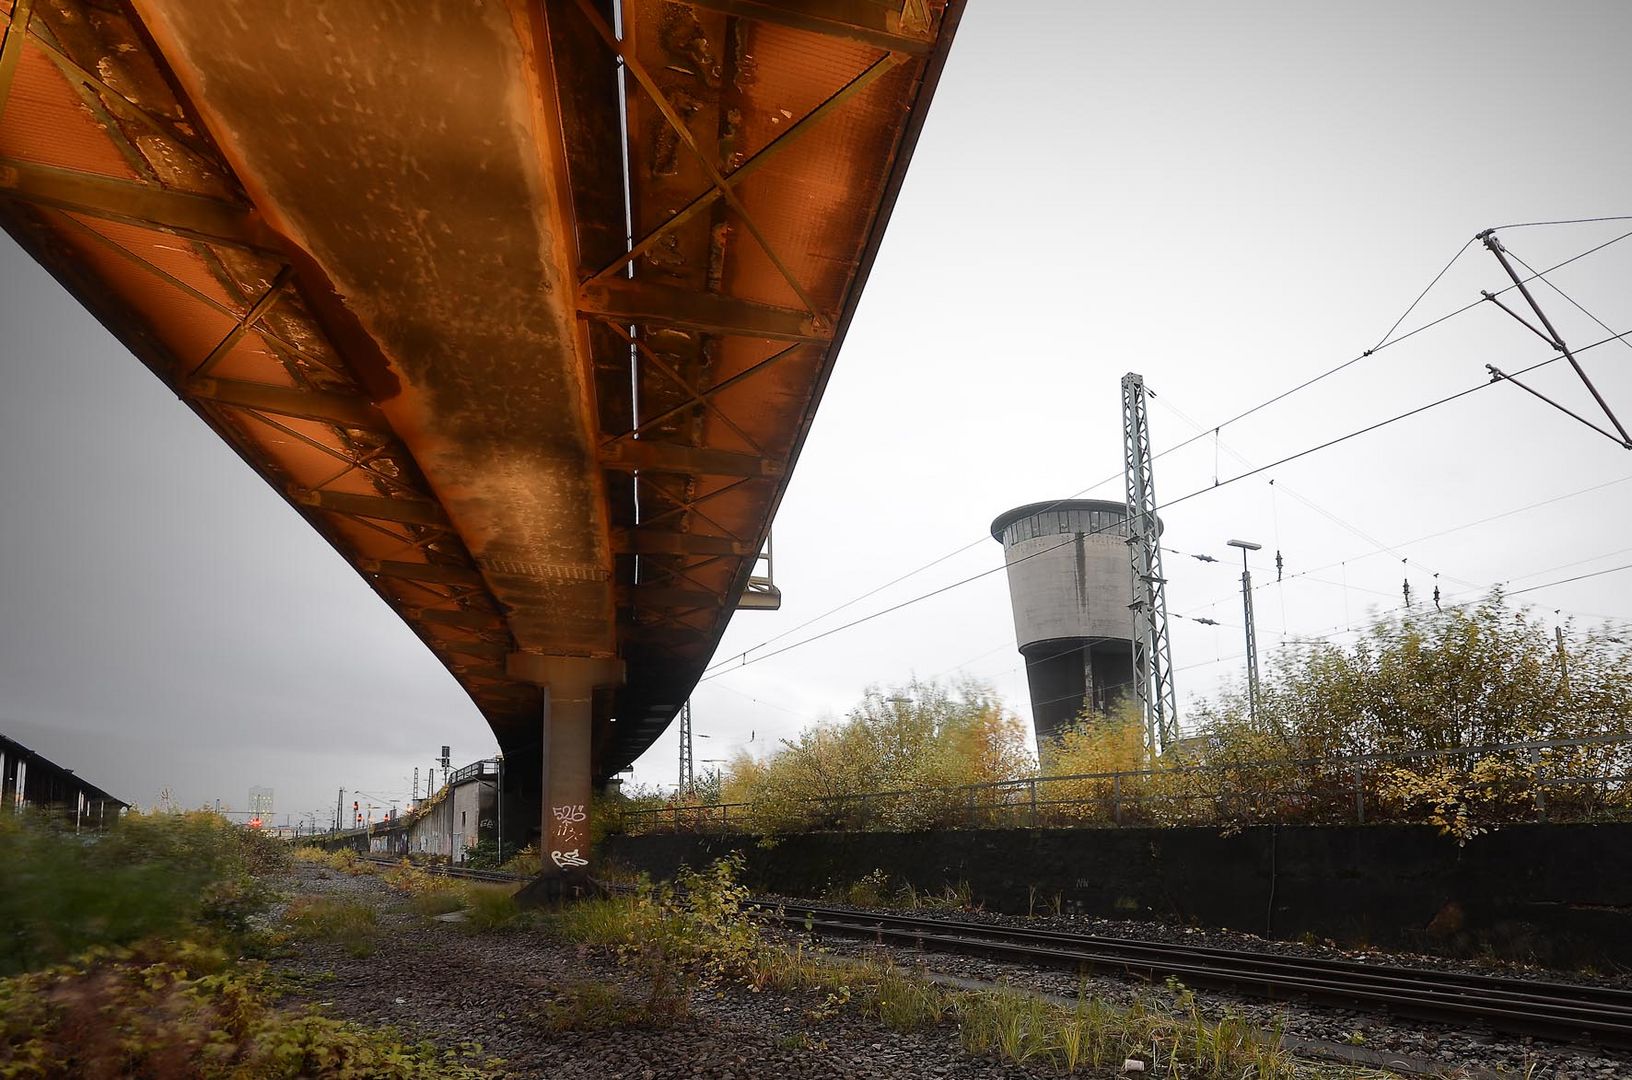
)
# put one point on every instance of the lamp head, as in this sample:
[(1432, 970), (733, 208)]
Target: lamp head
[(1245, 545)]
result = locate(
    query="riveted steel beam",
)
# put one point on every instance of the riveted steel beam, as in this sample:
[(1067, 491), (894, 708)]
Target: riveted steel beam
[(147, 205), (856, 20), (330, 408), (658, 542), (633, 301), (407, 511), (492, 672), (112, 99), (484, 649), (760, 159), (467, 620), (437, 573), (660, 100), (664, 635), (655, 360), (254, 315), (705, 397), (11, 48), (656, 597), (646, 455)]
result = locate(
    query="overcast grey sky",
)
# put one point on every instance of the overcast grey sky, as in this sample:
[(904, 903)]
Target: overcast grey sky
[(1226, 198)]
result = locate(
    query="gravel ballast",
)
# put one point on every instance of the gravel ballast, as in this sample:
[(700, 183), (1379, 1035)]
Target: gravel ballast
[(433, 980), (1416, 1045)]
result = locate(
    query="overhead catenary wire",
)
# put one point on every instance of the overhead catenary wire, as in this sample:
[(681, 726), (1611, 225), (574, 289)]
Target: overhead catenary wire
[(1277, 485), (1322, 635), (1570, 221), (742, 659), (1302, 639), (1386, 341), (745, 660), (1534, 275), (1403, 544), (1392, 614), (1569, 580), (1567, 565), (1426, 290), (1389, 342), (1542, 277)]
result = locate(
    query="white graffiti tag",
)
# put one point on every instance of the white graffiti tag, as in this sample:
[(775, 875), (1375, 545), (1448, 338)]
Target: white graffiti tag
[(565, 859), (568, 823)]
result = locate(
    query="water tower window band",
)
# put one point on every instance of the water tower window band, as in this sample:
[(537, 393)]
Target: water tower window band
[(1065, 523)]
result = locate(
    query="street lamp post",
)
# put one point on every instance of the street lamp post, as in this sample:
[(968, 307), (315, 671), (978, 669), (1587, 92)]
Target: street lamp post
[(1252, 633)]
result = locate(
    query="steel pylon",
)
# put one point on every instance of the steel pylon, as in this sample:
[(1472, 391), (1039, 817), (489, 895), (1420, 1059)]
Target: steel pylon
[(1152, 653), (687, 778)]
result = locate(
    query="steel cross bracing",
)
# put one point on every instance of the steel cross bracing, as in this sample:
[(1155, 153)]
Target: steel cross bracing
[(1152, 654), (704, 234)]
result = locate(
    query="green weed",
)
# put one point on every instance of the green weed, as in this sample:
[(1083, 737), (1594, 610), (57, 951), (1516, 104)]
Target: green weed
[(679, 939), (149, 875), (324, 918), (490, 907), (137, 946), (437, 901), (186, 1011), (594, 1005)]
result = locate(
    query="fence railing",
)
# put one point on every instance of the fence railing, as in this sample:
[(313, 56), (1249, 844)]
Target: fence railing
[(1462, 789), (485, 767)]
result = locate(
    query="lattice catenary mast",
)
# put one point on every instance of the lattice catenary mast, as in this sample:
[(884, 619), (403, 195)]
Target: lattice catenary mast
[(1152, 653), (687, 780)]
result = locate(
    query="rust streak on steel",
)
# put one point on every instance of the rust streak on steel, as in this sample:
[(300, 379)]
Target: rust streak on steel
[(385, 258)]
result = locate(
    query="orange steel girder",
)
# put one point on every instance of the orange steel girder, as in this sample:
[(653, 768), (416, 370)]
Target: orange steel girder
[(525, 306)]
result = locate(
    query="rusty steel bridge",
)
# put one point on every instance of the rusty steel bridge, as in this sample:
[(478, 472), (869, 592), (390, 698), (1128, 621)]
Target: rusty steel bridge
[(526, 306)]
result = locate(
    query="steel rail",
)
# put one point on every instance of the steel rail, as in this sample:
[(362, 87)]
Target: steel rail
[(1552, 1010), (466, 872)]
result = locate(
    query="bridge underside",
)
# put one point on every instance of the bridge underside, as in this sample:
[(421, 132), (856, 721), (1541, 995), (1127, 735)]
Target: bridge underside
[(525, 306)]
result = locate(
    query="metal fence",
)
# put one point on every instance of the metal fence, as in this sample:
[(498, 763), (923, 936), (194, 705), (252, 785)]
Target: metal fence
[(485, 767), (1461, 789)]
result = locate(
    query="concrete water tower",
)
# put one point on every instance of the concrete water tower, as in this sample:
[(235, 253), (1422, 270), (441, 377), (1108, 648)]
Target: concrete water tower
[(1070, 584)]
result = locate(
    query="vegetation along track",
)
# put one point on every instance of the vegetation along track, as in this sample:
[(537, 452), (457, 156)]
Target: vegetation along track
[(1565, 1012), (463, 872), (1560, 1011)]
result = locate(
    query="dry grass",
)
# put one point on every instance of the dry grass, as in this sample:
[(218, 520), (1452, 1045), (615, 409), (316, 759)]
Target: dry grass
[(345, 860)]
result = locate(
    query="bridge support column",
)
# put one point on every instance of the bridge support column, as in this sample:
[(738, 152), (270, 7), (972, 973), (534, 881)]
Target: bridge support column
[(569, 684)]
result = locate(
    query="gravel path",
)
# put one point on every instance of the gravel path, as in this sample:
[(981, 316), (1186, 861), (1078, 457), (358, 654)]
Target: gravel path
[(433, 980)]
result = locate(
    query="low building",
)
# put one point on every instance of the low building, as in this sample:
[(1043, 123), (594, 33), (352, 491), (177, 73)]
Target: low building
[(29, 779), (449, 823)]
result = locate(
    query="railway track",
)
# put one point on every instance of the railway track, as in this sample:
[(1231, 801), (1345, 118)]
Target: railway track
[(1558, 1011), (464, 873), (1564, 1012)]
